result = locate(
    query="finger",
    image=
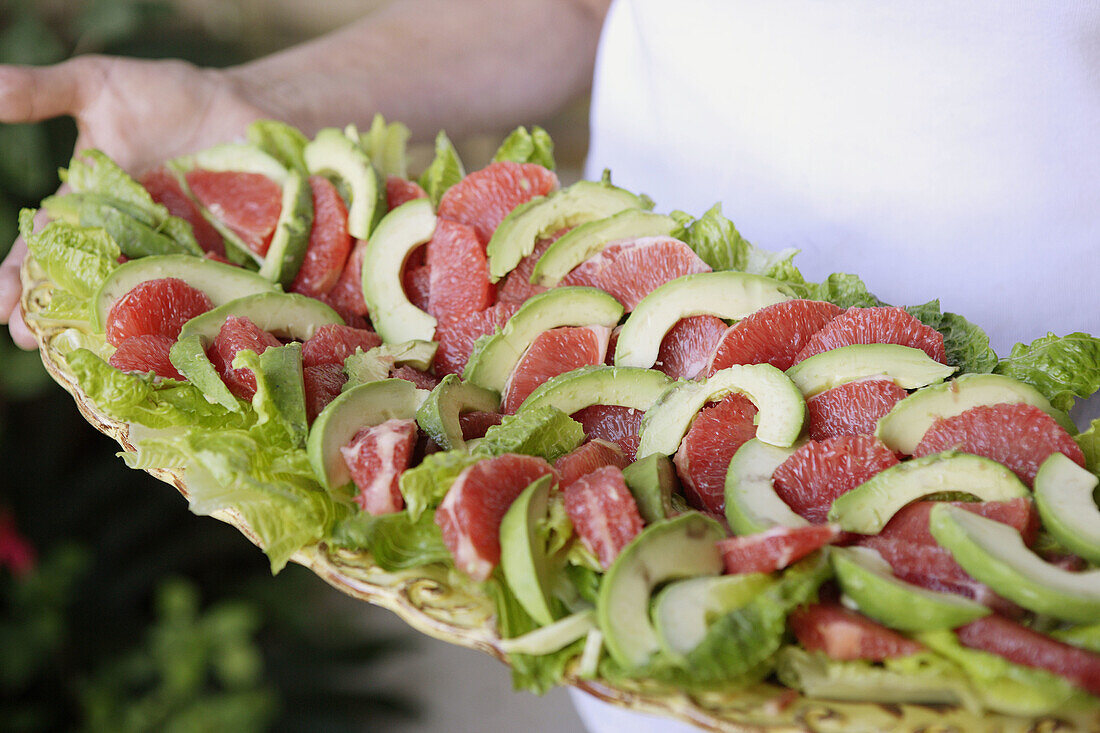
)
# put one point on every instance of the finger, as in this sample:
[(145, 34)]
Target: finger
[(20, 334), (32, 93), (10, 287)]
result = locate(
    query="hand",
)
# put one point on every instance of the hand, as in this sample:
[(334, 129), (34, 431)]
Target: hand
[(140, 113)]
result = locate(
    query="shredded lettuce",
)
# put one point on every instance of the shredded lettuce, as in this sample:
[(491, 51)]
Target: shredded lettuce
[(282, 142), (1061, 367), (425, 485), (395, 541), (543, 431), (385, 143), (527, 147), (967, 345), (444, 171), (77, 259)]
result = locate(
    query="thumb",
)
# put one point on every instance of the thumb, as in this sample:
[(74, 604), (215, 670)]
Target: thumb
[(32, 93)]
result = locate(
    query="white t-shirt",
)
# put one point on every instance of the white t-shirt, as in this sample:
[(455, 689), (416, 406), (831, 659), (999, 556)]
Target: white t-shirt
[(938, 149)]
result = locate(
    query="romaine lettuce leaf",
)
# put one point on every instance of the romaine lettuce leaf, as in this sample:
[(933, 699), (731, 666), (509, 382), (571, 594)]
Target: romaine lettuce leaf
[(543, 431), (843, 289), (395, 541), (1089, 441), (425, 485), (967, 345), (64, 309), (444, 171), (527, 147), (282, 142), (385, 144), (134, 237), (715, 239), (1061, 367), (76, 259)]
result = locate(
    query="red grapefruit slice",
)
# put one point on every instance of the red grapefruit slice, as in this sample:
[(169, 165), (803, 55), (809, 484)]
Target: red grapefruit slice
[(399, 191), (553, 352), (774, 549), (587, 458), (346, 296), (376, 456), (322, 383), (470, 514), (482, 199), (516, 285), (329, 241), (846, 635), (818, 472), (458, 272), (705, 452), (630, 270), (475, 424), (603, 512), (456, 336), (155, 307), (1019, 436), (686, 348), (879, 325), (613, 423), (237, 334), (417, 283), (248, 203), (853, 408), (423, 380), (332, 343), (144, 353), (772, 335), (166, 191)]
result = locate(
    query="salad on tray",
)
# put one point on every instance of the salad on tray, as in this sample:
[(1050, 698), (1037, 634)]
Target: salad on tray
[(619, 449)]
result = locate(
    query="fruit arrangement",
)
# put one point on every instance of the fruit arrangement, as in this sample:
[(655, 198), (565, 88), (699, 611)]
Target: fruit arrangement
[(618, 449)]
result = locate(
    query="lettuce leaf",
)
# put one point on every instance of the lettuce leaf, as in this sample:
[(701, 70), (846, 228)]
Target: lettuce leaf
[(544, 431), (76, 259), (280, 400), (64, 309), (527, 147), (385, 144), (134, 237), (395, 541), (444, 171), (425, 485), (1089, 441), (716, 240), (1061, 367), (967, 345), (843, 289), (282, 142)]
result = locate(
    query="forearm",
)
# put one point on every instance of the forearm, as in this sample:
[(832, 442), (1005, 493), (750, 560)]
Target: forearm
[(459, 65)]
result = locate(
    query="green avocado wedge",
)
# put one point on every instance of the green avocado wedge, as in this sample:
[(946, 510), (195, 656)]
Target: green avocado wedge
[(588, 240), (681, 547), (396, 236), (908, 367), (752, 506), (870, 583), (599, 385), (334, 154), (684, 610), (782, 411), (540, 217), (902, 428), (995, 554), (728, 295), (438, 416), (364, 406), (1064, 498), (652, 481), (221, 283), (868, 507), (523, 553), (288, 245)]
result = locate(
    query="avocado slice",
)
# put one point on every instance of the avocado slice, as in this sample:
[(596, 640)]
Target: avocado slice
[(752, 506), (221, 283), (728, 295), (364, 406), (905, 425), (523, 553), (681, 547), (908, 367), (334, 154), (994, 553), (400, 232), (438, 416), (279, 388), (599, 385), (868, 507), (540, 217), (588, 240), (496, 356), (1064, 498), (870, 583), (652, 481), (781, 407), (684, 610), (288, 245)]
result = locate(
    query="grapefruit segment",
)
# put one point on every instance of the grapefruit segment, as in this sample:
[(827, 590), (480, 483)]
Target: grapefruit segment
[(553, 352), (482, 199), (421, 379), (165, 189), (853, 408), (820, 471), (417, 282), (333, 343), (329, 241), (375, 457), (772, 335), (587, 458), (603, 512), (703, 458), (323, 383), (456, 336), (400, 191), (458, 272), (237, 334), (775, 548), (346, 296), (476, 423), (613, 423), (144, 353), (686, 349), (631, 269), (155, 307), (516, 285), (846, 635), (878, 325), (248, 203), (470, 514), (1017, 435)]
